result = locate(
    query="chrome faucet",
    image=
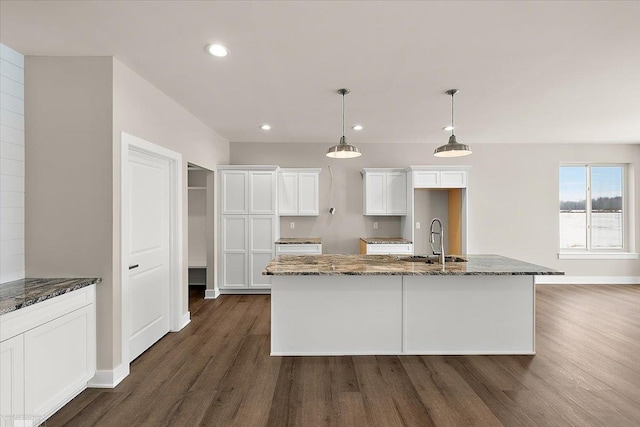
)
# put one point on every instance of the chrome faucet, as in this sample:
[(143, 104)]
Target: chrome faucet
[(432, 240)]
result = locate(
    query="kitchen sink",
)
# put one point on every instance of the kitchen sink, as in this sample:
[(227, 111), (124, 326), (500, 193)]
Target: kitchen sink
[(431, 259)]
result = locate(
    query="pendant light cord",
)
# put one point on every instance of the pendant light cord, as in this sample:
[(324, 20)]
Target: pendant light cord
[(343, 116), (452, 126)]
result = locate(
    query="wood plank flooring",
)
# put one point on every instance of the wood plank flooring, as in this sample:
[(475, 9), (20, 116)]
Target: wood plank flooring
[(218, 372)]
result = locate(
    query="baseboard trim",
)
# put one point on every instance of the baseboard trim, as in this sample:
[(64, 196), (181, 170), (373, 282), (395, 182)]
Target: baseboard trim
[(109, 378), (400, 353), (211, 293), (587, 280), (186, 319), (245, 291)]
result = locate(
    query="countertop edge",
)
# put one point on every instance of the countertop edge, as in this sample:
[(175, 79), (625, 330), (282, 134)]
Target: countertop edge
[(385, 241), (299, 241), (389, 265), (77, 283), (429, 273)]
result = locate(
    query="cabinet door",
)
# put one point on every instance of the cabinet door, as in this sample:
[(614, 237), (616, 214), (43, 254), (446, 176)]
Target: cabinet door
[(454, 179), (426, 179), (375, 193), (59, 359), (262, 192), (234, 192), (12, 377), (287, 193), (308, 193), (396, 193), (234, 251), (261, 248)]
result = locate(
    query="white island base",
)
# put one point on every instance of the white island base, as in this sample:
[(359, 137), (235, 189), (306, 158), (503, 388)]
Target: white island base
[(319, 315)]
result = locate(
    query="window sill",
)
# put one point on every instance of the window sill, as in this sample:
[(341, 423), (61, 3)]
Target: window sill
[(597, 255)]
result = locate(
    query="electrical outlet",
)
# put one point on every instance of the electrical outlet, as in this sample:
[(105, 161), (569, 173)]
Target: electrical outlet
[(418, 225), (375, 225), (292, 225)]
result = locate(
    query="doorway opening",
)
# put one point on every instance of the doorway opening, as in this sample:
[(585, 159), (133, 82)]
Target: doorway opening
[(200, 185)]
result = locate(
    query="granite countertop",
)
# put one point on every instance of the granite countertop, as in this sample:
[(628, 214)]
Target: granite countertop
[(383, 240), (299, 241), (364, 265), (25, 292)]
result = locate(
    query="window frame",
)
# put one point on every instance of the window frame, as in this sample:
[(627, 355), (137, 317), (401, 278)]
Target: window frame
[(603, 253)]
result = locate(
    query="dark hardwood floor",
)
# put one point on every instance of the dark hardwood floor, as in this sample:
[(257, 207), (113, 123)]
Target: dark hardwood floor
[(218, 371)]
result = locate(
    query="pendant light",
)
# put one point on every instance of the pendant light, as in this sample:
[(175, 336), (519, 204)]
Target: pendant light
[(343, 150), (453, 148)]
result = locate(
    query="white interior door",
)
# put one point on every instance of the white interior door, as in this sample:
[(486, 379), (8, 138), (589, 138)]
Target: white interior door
[(149, 239)]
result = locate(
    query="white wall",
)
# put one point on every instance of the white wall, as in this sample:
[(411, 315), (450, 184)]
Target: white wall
[(142, 110), (77, 109), (11, 164), (429, 204), (69, 177), (513, 195)]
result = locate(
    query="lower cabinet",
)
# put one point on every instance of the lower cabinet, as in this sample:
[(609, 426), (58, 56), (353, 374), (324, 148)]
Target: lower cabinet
[(299, 249), (386, 248), (51, 360), (11, 379), (247, 248)]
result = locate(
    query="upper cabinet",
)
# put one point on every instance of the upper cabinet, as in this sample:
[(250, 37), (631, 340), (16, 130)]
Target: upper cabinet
[(298, 192), (248, 190), (385, 191), (440, 176)]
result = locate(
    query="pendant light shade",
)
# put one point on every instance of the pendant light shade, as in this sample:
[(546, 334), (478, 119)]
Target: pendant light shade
[(453, 148), (343, 150)]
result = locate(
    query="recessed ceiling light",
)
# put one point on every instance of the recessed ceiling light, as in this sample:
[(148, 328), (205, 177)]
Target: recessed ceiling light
[(265, 127), (447, 128), (357, 127), (217, 50)]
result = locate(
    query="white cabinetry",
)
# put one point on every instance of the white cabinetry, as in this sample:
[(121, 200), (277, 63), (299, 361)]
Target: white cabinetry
[(58, 361), (299, 249), (12, 377), (248, 227), (389, 249), (47, 354), (439, 177), (248, 191), (298, 192), (385, 191)]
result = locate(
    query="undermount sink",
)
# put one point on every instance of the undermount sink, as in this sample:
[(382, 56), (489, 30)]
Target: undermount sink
[(431, 259)]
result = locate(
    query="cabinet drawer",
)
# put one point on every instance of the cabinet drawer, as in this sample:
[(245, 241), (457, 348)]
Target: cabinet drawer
[(19, 321), (389, 249), (299, 249)]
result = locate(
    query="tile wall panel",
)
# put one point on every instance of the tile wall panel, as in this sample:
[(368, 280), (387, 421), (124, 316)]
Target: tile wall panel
[(12, 164)]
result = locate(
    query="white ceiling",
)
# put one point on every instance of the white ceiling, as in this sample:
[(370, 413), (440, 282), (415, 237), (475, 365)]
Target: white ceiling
[(545, 72)]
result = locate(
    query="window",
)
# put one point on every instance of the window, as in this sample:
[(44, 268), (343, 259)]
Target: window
[(592, 215)]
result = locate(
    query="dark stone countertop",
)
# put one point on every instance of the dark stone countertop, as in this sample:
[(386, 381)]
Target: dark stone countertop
[(299, 241), (384, 240), (25, 292), (365, 265)]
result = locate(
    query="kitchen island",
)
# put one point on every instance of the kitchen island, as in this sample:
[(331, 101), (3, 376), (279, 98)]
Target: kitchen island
[(381, 304)]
